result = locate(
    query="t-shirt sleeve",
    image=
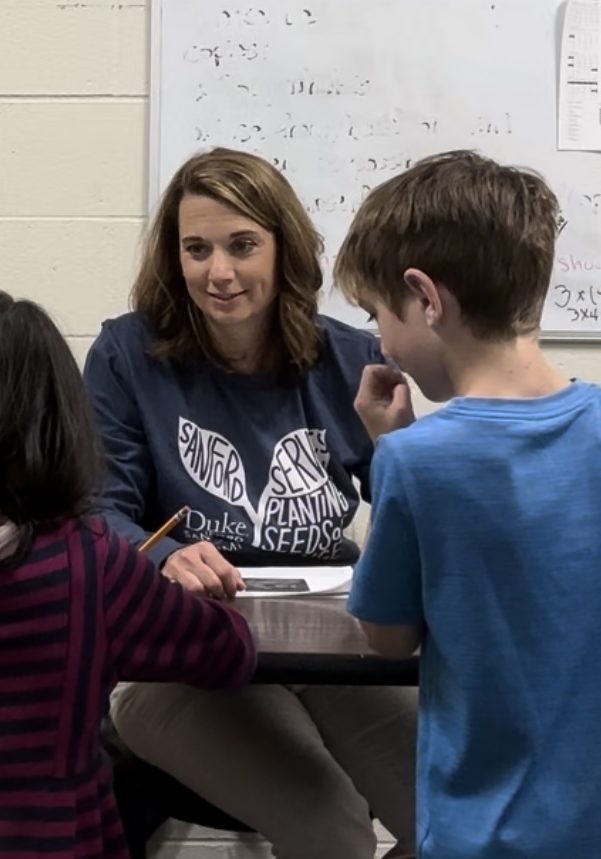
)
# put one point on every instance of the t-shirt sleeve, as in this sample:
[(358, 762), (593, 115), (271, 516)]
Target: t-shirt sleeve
[(387, 582), (158, 631), (363, 469), (129, 467)]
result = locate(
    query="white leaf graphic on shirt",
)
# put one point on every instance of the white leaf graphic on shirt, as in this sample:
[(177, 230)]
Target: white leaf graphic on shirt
[(298, 467), (215, 465)]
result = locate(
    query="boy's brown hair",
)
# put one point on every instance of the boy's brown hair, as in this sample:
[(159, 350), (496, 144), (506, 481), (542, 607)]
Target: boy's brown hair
[(484, 231)]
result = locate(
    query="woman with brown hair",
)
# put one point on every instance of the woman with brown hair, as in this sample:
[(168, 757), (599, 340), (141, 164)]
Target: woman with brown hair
[(225, 391)]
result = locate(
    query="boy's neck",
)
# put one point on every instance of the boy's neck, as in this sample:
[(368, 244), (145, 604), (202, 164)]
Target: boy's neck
[(514, 369)]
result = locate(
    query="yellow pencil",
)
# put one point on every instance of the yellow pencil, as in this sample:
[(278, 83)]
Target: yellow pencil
[(164, 529)]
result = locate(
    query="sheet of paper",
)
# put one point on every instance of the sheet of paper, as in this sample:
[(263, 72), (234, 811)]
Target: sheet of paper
[(295, 581), (579, 114)]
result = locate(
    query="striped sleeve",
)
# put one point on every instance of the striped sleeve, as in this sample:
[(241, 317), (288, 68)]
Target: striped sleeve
[(158, 631)]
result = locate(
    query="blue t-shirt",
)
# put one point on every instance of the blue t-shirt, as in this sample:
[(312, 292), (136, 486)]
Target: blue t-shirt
[(266, 468), (486, 528)]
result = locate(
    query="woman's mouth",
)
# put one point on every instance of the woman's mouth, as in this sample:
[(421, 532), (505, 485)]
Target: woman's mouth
[(226, 297)]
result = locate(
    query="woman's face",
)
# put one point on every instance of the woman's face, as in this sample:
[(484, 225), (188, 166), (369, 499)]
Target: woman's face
[(228, 263)]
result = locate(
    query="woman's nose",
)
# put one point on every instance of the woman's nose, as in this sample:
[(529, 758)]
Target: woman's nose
[(221, 268)]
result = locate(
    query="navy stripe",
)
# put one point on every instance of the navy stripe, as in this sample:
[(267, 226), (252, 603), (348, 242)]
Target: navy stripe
[(48, 666), (37, 814), (23, 587), (180, 658), (91, 833), (88, 644), (226, 664), (41, 554), (112, 554), (14, 784), (151, 622), (32, 612), (27, 726), (189, 634), (130, 608), (30, 696), (31, 844), (27, 756), (36, 639), (125, 563), (87, 804)]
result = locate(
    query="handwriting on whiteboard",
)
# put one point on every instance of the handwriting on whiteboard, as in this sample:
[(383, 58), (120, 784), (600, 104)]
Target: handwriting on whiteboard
[(572, 263), (579, 304), (590, 200), (256, 17), (387, 127)]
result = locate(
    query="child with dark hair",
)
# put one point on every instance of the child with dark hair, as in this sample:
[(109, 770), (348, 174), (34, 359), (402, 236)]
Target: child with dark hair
[(79, 608)]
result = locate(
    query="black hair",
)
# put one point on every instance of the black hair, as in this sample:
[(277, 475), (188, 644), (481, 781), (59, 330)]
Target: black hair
[(50, 459)]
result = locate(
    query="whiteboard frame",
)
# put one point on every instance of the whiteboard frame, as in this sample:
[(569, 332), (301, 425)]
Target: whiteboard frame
[(566, 337), (154, 155), (154, 103)]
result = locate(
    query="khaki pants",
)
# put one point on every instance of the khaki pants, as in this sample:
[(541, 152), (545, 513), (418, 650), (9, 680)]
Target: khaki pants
[(303, 767)]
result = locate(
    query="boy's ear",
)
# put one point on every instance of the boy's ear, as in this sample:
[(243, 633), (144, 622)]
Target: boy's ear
[(425, 290)]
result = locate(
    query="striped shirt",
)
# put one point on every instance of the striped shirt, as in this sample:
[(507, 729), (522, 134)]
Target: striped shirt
[(83, 611)]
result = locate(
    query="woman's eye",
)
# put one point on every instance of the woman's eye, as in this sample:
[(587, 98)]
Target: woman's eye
[(243, 246), (197, 251)]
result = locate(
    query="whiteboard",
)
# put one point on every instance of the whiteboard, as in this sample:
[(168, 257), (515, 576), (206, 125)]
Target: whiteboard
[(342, 94)]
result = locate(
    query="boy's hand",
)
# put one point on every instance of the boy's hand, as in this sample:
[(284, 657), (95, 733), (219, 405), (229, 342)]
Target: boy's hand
[(383, 401)]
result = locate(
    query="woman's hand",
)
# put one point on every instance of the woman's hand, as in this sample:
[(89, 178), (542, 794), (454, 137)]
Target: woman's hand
[(202, 569)]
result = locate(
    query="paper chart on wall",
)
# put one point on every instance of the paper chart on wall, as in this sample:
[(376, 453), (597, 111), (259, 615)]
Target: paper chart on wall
[(580, 77)]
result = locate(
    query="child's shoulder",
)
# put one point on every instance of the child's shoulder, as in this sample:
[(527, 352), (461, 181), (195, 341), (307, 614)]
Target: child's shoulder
[(427, 436), (436, 450), (90, 529), (471, 432)]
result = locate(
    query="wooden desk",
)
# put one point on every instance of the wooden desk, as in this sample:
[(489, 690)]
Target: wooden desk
[(314, 640)]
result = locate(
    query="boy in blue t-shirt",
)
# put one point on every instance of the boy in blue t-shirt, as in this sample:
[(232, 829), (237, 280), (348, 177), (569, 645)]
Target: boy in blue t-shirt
[(485, 543)]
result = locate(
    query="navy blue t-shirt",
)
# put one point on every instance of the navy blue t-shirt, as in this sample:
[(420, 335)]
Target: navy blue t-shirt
[(266, 468)]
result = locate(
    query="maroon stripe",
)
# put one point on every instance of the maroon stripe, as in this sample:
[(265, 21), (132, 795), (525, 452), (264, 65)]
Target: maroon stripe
[(20, 682), (37, 569), (30, 627), (30, 770), (32, 654), (41, 828), (34, 740), (36, 798), (127, 593), (47, 539)]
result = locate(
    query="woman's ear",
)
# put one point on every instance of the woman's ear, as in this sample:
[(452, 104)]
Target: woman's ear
[(427, 293)]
